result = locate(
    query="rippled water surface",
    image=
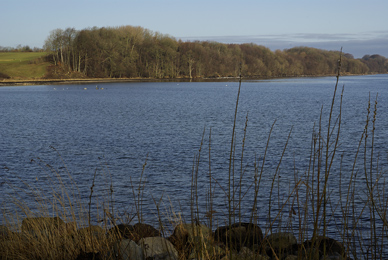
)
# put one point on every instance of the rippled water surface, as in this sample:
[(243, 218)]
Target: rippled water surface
[(111, 132)]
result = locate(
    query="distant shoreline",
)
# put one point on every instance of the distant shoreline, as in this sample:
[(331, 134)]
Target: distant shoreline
[(28, 82), (8, 82)]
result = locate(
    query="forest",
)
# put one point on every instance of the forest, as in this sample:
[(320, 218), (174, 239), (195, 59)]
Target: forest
[(136, 52)]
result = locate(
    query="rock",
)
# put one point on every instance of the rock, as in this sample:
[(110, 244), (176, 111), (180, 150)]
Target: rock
[(280, 244), (282, 240), (195, 241), (310, 253), (331, 246), (89, 256), (127, 250), (121, 231), (241, 235), (145, 230), (186, 236), (135, 233), (189, 232), (326, 246), (180, 238), (158, 248)]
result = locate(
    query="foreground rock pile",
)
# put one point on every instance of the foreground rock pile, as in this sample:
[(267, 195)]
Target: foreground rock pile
[(142, 241)]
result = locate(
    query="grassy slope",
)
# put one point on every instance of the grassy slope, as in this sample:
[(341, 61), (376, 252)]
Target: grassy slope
[(23, 65)]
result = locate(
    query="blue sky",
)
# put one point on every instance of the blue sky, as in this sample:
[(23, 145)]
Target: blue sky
[(360, 27)]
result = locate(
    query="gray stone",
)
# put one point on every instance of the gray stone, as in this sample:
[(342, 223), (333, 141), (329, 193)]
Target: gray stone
[(240, 235), (191, 231), (328, 246), (282, 240), (135, 233), (158, 248), (121, 231), (128, 250), (192, 240)]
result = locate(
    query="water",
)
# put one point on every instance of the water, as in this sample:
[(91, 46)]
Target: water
[(111, 132)]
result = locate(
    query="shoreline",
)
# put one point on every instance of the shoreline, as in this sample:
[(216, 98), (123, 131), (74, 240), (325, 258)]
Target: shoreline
[(28, 82)]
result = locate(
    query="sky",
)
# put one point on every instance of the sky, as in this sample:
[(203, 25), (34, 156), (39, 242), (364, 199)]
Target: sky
[(358, 26)]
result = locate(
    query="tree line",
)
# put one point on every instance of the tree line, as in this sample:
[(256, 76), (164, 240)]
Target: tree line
[(129, 52), (20, 48)]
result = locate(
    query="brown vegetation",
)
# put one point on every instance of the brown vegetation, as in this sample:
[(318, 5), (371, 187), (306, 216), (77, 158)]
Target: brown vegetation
[(128, 52)]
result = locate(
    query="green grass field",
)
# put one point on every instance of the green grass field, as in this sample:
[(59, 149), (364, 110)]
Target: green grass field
[(23, 65)]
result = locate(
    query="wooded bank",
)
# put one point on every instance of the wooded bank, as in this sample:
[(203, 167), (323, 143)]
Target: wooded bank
[(129, 52), (135, 52)]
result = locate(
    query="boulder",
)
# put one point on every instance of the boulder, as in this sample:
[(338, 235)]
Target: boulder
[(331, 246), (282, 240), (158, 248), (280, 244), (189, 232), (128, 250), (121, 231), (89, 256), (135, 233), (195, 241), (145, 230), (326, 246), (239, 235), (187, 235)]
